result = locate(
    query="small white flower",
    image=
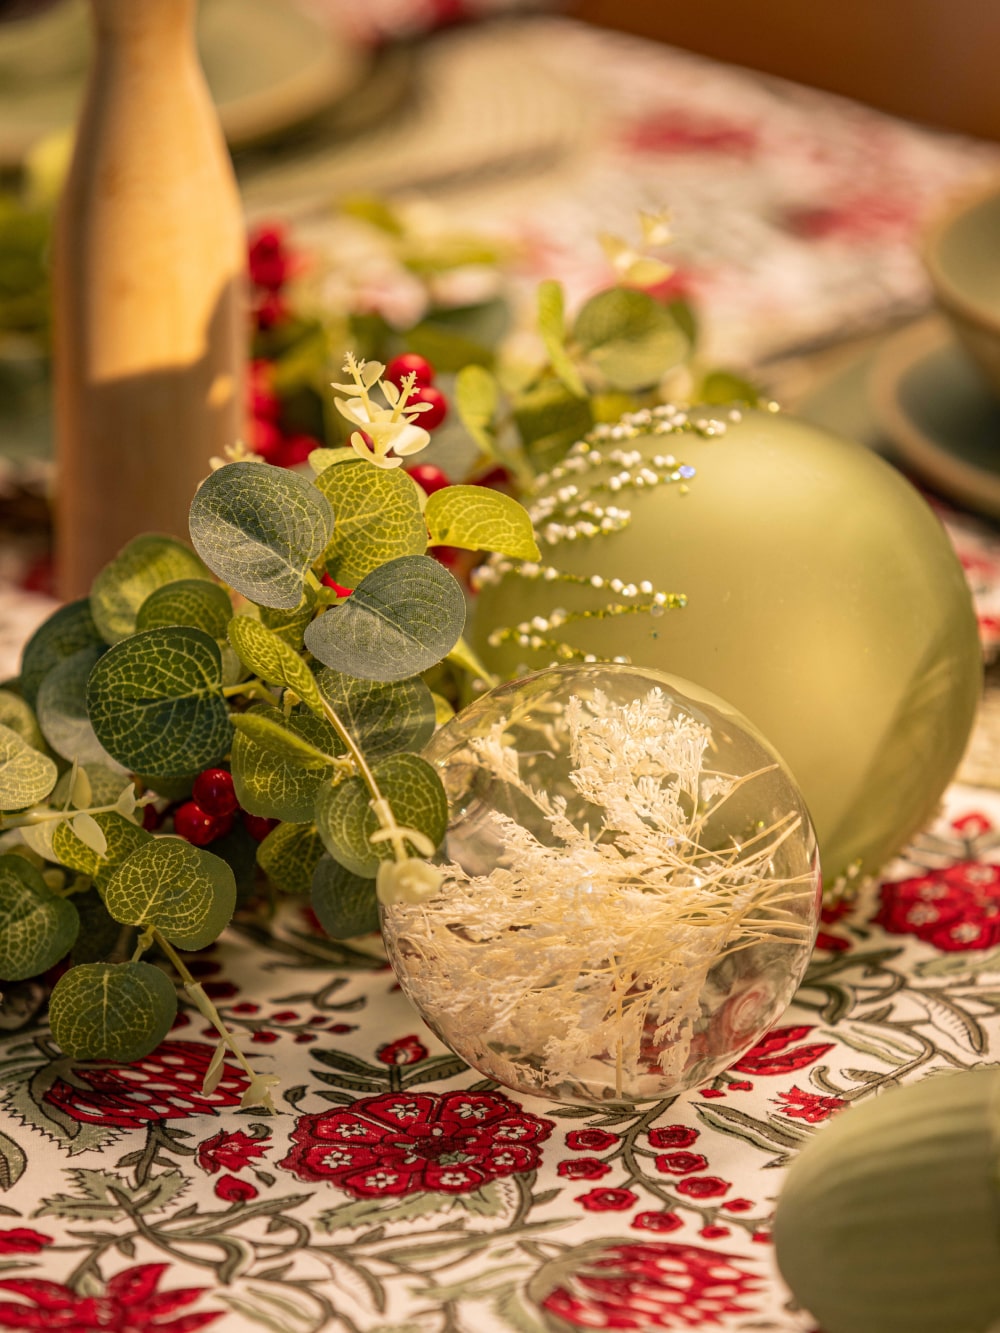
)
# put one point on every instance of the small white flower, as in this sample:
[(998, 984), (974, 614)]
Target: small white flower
[(409, 881)]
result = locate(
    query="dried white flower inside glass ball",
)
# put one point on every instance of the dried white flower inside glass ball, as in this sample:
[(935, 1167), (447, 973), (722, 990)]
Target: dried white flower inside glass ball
[(630, 891)]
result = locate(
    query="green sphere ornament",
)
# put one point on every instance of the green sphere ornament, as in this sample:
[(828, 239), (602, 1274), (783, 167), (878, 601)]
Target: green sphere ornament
[(793, 573)]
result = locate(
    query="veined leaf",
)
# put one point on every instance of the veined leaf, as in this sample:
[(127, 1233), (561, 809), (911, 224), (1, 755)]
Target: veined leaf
[(121, 839), (382, 716), (402, 618), (632, 339), (477, 396), (478, 519), (289, 855), (260, 529), (26, 776), (99, 931), (320, 459), (281, 741), (376, 518), (187, 602), (63, 634), (19, 715), (112, 1011), (346, 820), (155, 701), (36, 927), (273, 660), (290, 624), (186, 893), (345, 904), (139, 568), (62, 709), (267, 784), (106, 785), (552, 327)]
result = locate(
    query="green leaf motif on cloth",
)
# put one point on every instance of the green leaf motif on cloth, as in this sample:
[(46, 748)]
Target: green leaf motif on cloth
[(268, 784), (382, 716), (186, 893), (121, 836), (143, 565), (376, 518), (273, 660), (345, 903), (26, 776), (114, 1011), (62, 709), (478, 519), (156, 705), (63, 634), (260, 529), (37, 928), (289, 855), (403, 618), (187, 602), (346, 820)]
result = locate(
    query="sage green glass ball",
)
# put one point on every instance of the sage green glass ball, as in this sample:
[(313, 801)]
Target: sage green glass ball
[(820, 596)]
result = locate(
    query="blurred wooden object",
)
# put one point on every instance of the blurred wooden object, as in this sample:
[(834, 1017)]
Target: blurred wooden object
[(931, 60), (150, 316)]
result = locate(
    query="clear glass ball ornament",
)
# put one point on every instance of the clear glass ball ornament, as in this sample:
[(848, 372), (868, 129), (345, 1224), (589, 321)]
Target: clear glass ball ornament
[(631, 887)]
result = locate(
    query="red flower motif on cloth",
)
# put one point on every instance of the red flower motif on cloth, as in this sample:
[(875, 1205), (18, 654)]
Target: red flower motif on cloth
[(677, 130), (772, 1056), (809, 1106), (650, 1284), (590, 1140), (681, 1163), (165, 1085), (232, 1190), (583, 1168), (954, 909), (975, 823), (230, 1152), (656, 1222), (131, 1303), (607, 1201), (672, 1136), (405, 1051), (702, 1187), (826, 939), (22, 1240), (401, 1143)]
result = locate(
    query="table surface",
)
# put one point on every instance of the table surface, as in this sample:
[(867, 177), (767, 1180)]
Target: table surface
[(395, 1191)]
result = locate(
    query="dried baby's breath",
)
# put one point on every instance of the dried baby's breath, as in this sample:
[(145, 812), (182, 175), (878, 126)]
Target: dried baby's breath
[(579, 961)]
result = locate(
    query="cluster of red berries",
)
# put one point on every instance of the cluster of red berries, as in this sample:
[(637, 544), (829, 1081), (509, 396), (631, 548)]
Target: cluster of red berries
[(212, 811), (271, 264)]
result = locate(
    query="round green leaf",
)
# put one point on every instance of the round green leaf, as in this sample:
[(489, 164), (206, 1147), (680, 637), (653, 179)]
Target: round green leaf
[(187, 602), (186, 893), (26, 777), (106, 785), (260, 529), (382, 716), (402, 618), (37, 928), (121, 837), (272, 784), (63, 634), (276, 662), (346, 821), (99, 932), (345, 904), (290, 624), (62, 709), (18, 714), (156, 705), (376, 518), (112, 1011), (631, 338), (478, 519), (289, 855), (139, 568)]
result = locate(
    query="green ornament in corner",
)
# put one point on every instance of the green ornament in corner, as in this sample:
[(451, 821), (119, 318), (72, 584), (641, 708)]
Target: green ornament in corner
[(795, 574)]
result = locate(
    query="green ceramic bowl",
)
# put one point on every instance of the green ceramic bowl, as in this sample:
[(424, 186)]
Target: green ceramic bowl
[(962, 255)]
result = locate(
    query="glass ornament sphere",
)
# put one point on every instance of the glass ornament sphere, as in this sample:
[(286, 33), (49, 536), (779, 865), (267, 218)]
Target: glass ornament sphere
[(798, 575), (631, 887)]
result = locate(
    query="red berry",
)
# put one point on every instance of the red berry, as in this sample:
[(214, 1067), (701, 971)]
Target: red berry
[(265, 439), (213, 791), (258, 827), (409, 363), (428, 477), (198, 826), (151, 818), (296, 449), (438, 406), (273, 309)]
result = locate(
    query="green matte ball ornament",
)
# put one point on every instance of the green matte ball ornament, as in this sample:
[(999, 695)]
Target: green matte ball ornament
[(795, 574)]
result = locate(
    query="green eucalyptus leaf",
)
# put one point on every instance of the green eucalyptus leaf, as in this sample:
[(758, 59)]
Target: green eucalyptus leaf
[(62, 709), (268, 656), (121, 839), (106, 785), (139, 568), (285, 744), (382, 716), (549, 419), (376, 518), (290, 624), (631, 338), (19, 715), (63, 634), (320, 459), (478, 519), (187, 602), (26, 776), (155, 701), (721, 388), (260, 529), (87, 829), (401, 619), (186, 893), (289, 855), (267, 784), (346, 821), (112, 1011), (239, 851), (99, 931), (36, 926), (345, 904), (477, 397), (552, 327)]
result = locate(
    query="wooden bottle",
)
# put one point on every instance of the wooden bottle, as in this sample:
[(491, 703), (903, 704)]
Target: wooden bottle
[(149, 276)]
